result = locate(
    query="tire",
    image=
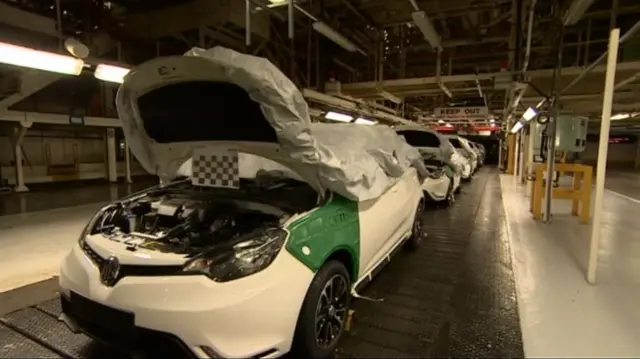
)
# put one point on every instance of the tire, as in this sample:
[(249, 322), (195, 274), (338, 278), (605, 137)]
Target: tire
[(451, 196), (417, 229), (305, 343)]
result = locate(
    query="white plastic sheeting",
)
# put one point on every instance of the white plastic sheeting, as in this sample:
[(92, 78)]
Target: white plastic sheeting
[(444, 152), (359, 162), (363, 161)]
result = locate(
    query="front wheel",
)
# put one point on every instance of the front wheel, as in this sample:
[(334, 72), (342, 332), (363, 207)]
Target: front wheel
[(451, 196), (417, 231), (324, 312)]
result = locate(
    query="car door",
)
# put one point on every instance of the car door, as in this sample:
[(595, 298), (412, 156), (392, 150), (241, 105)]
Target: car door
[(384, 220)]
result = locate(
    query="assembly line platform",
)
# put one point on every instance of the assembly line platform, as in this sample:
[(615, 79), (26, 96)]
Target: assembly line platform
[(453, 297)]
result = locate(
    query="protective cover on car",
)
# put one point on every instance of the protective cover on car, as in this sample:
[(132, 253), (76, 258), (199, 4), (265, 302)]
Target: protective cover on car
[(443, 152), (350, 162), (430, 144), (364, 160)]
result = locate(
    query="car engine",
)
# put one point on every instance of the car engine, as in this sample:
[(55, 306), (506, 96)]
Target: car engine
[(178, 224)]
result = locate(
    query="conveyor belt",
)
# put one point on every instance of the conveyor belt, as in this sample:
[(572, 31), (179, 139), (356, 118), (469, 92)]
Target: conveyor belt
[(453, 297)]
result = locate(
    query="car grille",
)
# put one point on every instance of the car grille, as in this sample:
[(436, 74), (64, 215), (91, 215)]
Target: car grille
[(127, 270), (117, 327)]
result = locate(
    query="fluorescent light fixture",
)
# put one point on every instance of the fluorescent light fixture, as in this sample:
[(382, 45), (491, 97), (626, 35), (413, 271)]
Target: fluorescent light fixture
[(336, 116), (111, 73), (364, 121), (529, 114), (620, 116), (449, 125), (427, 29), (575, 12), (334, 36), (40, 60), (517, 127), (492, 120), (541, 103), (277, 3), (440, 121)]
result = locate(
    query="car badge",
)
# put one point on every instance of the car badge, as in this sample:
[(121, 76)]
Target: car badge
[(110, 271)]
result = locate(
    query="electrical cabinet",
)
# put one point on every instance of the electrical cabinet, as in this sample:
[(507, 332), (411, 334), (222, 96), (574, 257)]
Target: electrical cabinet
[(571, 134)]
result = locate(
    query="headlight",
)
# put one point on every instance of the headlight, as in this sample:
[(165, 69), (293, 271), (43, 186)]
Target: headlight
[(93, 222), (244, 258)]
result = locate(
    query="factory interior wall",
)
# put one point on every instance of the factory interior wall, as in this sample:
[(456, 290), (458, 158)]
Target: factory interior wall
[(63, 155), (619, 155)]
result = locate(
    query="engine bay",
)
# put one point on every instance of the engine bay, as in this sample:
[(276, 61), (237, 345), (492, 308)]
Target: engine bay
[(179, 224)]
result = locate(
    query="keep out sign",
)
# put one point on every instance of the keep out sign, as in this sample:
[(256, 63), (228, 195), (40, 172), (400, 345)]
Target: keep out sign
[(461, 112)]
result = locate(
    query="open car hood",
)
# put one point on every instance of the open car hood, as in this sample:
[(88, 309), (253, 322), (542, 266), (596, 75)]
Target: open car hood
[(170, 106)]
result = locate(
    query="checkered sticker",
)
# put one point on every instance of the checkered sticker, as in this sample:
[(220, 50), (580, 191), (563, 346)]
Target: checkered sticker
[(215, 167)]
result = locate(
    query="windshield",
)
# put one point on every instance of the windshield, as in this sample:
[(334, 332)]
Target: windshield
[(455, 142), (420, 138)]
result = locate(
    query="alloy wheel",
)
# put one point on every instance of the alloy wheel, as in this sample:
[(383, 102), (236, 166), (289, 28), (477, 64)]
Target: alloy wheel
[(331, 311)]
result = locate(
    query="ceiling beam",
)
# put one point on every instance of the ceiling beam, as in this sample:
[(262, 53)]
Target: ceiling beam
[(15, 17)]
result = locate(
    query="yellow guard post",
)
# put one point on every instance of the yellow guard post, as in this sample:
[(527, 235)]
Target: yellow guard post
[(579, 193)]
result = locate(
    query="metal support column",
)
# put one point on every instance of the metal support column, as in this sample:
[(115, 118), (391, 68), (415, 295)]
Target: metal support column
[(603, 147), (127, 162), (636, 163), (112, 173), (516, 155), (551, 133), (500, 167), (522, 155), (530, 146), (18, 156)]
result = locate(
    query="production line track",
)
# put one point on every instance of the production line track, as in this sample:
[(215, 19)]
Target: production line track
[(453, 297)]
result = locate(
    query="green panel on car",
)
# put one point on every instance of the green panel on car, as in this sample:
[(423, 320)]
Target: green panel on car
[(449, 171), (330, 228)]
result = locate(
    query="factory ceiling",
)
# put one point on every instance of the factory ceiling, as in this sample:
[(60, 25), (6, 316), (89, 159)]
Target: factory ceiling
[(482, 57)]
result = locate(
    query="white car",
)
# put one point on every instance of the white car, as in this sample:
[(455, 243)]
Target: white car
[(437, 152), (478, 150), (263, 262), (464, 150)]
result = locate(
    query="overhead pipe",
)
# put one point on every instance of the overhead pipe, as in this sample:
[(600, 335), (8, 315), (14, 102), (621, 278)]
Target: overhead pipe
[(516, 58), (59, 25), (247, 23), (290, 18), (586, 48), (439, 82), (527, 51)]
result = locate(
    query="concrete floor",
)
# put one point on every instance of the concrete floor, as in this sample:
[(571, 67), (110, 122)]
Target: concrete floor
[(38, 228), (626, 183), (42, 197), (560, 313)]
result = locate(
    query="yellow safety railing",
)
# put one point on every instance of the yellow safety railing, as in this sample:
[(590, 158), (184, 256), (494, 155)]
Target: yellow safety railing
[(579, 193)]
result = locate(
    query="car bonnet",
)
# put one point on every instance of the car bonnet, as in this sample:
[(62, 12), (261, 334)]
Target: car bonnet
[(171, 106)]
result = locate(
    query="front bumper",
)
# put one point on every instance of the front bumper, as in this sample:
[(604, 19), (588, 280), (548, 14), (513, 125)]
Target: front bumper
[(253, 316)]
